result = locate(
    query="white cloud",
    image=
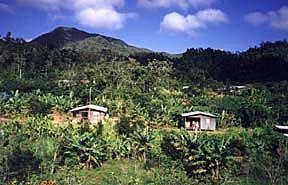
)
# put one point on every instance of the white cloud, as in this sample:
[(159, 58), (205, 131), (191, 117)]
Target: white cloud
[(176, 22), (184, 4), (5, 8), (275, 19), (279, 19), (102, 18), (91, 13)]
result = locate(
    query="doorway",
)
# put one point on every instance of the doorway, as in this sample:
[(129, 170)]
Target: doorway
[(193, 123)]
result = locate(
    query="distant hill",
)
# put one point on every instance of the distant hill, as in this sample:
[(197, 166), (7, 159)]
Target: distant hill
[(265, 63), (269, 49), (65, 37)]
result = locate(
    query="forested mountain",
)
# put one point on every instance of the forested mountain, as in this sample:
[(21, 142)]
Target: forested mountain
[(264, 63), (268, 62), (72, 38), (61, 36)]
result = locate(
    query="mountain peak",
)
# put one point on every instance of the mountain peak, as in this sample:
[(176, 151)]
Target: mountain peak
[(69, 29), (61, 36), (69, 37)]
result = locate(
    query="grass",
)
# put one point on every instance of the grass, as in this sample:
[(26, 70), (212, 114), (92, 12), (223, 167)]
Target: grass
[(112, 172), (130, 172), (115, 172)]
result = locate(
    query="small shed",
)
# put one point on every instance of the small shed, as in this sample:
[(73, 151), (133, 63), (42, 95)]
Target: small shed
[(199, 121), (89, 113)]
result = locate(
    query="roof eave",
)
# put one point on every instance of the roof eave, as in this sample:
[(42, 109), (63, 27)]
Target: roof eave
[(196, 114), (98, 108)]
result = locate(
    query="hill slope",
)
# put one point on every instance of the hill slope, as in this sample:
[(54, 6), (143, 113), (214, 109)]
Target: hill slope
[(65, 37), (61, 36), (265, 63)]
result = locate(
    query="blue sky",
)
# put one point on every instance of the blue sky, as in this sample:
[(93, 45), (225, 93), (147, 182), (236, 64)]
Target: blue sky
[(160, 25)]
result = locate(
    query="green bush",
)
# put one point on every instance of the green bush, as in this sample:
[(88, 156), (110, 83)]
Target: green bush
[(21, 163), (203, 157), (39, 107), (129, 124), (85, 148), (268, 153)]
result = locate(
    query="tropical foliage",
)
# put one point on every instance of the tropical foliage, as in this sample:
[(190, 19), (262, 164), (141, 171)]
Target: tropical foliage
[(146, 94)]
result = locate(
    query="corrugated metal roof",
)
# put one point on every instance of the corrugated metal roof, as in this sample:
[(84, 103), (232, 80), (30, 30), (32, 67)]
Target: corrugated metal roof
[(282, 127), (93, 107), (197, 113)]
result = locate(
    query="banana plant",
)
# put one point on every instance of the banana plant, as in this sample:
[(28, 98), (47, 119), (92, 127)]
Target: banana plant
[(205, 155), (88, 149), (119, 148), (16, 104), (142, 142)]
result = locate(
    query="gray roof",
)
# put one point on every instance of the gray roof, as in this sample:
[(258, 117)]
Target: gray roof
[(93, 107), (282, 127), (197, 113)]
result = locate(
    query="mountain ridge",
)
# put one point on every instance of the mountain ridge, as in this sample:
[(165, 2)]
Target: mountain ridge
[(70, 37)]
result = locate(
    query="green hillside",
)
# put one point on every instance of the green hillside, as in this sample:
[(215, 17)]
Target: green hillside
[(99, 43), (143, 140)]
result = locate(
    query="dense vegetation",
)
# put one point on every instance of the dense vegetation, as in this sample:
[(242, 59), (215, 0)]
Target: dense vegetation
[(142, 139), (266, 63)]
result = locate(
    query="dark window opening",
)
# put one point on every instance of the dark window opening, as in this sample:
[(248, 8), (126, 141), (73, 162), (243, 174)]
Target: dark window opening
[(84, 115), (194, 122)]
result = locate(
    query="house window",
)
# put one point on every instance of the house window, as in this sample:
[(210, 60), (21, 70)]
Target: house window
[(84, 115)]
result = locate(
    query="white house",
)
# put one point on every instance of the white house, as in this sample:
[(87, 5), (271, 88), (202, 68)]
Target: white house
[(89, 113), (199, 121)]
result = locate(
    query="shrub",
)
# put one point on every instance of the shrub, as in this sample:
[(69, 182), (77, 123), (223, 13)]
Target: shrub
[(129, 124), (21, 164), (83, 148), (39, 107), (206, 156)]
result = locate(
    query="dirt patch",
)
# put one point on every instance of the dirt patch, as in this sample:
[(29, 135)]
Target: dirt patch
[(59, 117)]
